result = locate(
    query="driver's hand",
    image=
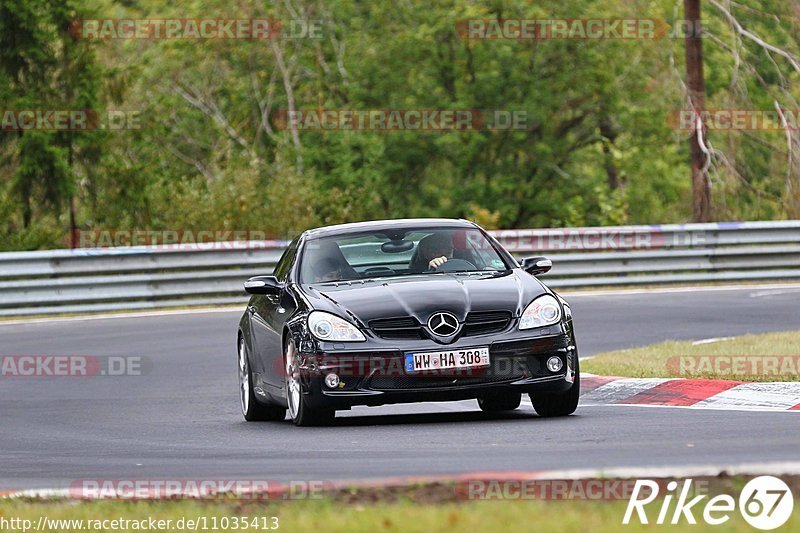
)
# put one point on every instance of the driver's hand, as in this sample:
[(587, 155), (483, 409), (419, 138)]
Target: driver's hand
[(437, 262)]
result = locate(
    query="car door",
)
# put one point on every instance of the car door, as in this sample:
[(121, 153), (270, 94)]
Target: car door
[(269, 314)]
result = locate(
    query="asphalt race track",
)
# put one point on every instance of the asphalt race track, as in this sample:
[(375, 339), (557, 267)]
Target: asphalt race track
[(182, 420)]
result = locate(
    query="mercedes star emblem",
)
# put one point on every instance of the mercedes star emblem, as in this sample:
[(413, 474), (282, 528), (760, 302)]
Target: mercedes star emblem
[(443, 324)]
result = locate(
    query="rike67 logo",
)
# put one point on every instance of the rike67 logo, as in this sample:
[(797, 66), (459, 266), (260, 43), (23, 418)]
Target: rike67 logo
[(765, 503)]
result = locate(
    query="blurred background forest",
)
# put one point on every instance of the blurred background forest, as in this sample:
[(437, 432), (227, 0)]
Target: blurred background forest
[(599, 149)]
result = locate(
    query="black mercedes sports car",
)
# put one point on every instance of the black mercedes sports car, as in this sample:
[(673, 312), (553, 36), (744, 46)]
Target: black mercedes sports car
[(398, 311)]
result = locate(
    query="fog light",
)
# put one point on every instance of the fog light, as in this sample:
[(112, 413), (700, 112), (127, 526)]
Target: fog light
[(554, 364), (332, 381)]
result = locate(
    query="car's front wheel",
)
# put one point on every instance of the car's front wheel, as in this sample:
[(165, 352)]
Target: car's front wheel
[(252, 410), (507, 401), (299, 411), (559, 403)]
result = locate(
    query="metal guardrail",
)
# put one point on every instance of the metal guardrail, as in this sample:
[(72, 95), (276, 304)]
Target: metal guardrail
[(129, 278)]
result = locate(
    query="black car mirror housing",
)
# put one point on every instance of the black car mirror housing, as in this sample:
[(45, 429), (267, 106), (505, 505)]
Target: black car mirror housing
[(536, 265), (263, 285)]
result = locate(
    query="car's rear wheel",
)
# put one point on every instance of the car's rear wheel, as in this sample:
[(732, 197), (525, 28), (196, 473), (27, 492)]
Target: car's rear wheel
[(506, 401), (559, 403), (252, 410), (299, 411)]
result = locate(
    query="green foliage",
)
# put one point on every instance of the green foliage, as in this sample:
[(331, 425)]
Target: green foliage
[(46, 69), (597, 149)]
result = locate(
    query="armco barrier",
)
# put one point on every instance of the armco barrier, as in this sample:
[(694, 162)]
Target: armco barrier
[(103, 279)]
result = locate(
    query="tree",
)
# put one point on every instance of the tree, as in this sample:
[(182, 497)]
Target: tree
[(48, 69), (696, 88)]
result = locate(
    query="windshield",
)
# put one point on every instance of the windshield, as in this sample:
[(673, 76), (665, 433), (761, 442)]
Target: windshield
[(398, 253)]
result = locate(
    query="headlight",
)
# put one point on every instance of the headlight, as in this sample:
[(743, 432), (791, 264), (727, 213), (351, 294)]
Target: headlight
[(543, 311), (328, 327)]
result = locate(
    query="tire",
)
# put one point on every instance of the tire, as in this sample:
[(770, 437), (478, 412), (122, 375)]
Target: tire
[(252, 409), (506, 401), (559, 403), (299, 411)]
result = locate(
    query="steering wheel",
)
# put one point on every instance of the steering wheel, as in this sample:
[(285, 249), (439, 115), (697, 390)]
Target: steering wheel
[(455, 264)]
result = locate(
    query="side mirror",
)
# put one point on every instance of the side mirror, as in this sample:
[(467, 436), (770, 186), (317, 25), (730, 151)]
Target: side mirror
[(263, 285), (536, 265)]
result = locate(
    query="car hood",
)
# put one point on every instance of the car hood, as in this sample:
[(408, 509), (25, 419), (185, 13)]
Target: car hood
[(420, 296)]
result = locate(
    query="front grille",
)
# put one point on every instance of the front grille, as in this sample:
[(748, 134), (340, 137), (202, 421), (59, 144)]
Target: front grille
[(397, 328), (483, 322), (406, 327)]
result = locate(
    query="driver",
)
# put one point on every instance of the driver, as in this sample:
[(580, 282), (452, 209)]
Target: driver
[(435, 250), (326, 269)]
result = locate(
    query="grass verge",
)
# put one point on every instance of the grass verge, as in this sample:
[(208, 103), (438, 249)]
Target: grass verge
[(428, 508), (765, 357)]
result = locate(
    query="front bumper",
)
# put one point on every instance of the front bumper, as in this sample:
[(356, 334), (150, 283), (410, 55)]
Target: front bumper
[(377, 377)]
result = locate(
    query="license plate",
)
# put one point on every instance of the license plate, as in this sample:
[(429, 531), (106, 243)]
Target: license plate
[(470, 358)]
